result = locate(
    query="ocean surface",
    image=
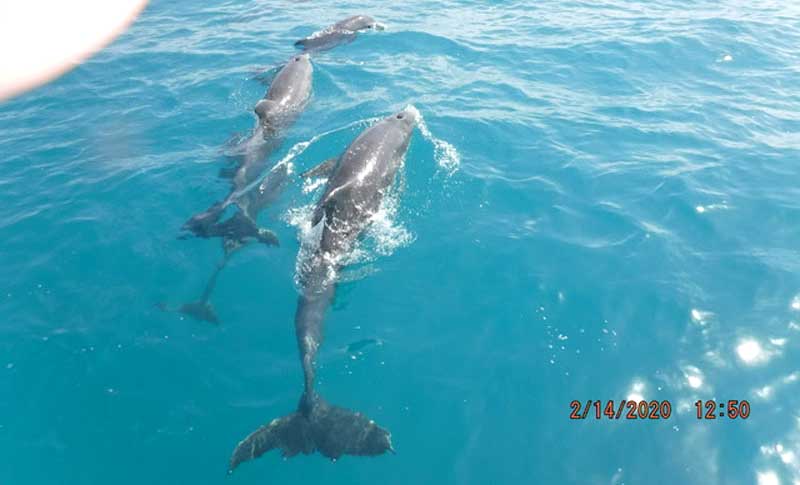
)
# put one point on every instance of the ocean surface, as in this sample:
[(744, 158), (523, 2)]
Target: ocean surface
[(603, 203)]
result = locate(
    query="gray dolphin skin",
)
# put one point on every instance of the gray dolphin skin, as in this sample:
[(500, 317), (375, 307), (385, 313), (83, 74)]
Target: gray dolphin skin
[(284, 101), (339, 33), (357, 184), (236, 232)]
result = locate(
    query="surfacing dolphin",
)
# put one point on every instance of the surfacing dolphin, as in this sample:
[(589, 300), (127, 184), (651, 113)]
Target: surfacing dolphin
[(284, 101), (358, 181), (339, 33)]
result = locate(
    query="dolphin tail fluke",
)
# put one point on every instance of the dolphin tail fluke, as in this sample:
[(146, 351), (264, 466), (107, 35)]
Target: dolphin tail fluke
[(315, 426), (199, 310)]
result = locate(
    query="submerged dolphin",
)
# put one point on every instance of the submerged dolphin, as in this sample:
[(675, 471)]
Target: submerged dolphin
[(359, 179), (284, 101), (236, 232), (339, 33)]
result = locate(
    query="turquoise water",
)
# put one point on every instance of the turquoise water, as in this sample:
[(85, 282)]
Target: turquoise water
[(606, 206)]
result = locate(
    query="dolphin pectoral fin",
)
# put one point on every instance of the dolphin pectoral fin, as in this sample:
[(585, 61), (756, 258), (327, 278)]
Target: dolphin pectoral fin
[(319, 213), (228, 172), (265, 76), (324, 169), (233, 143), (316, 426), (234, 154)]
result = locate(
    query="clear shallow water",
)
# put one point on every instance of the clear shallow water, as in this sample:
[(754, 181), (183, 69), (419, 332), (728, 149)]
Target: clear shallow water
[(623, 222)]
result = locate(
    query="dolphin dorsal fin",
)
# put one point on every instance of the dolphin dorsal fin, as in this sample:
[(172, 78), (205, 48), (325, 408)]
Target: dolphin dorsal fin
[(266, 76)]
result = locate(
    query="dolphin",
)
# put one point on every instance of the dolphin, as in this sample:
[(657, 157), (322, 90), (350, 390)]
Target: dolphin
[(357, 183), (341, 32), (236, 232), (284, 101)]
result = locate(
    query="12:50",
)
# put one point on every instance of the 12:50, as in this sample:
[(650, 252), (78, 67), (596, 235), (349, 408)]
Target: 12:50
[(731, 409)]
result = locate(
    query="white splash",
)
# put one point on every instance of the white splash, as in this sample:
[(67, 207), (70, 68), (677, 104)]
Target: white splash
[(383, 236), (308, 235), (385, 230), (446, 155), (312, 184)]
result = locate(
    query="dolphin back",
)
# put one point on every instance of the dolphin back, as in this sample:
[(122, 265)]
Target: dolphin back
[(326, 41), (337, 34)]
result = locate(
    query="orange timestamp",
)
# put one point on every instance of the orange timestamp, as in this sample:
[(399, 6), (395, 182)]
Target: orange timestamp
[(625, 409), (731, 409), (651, 410)]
